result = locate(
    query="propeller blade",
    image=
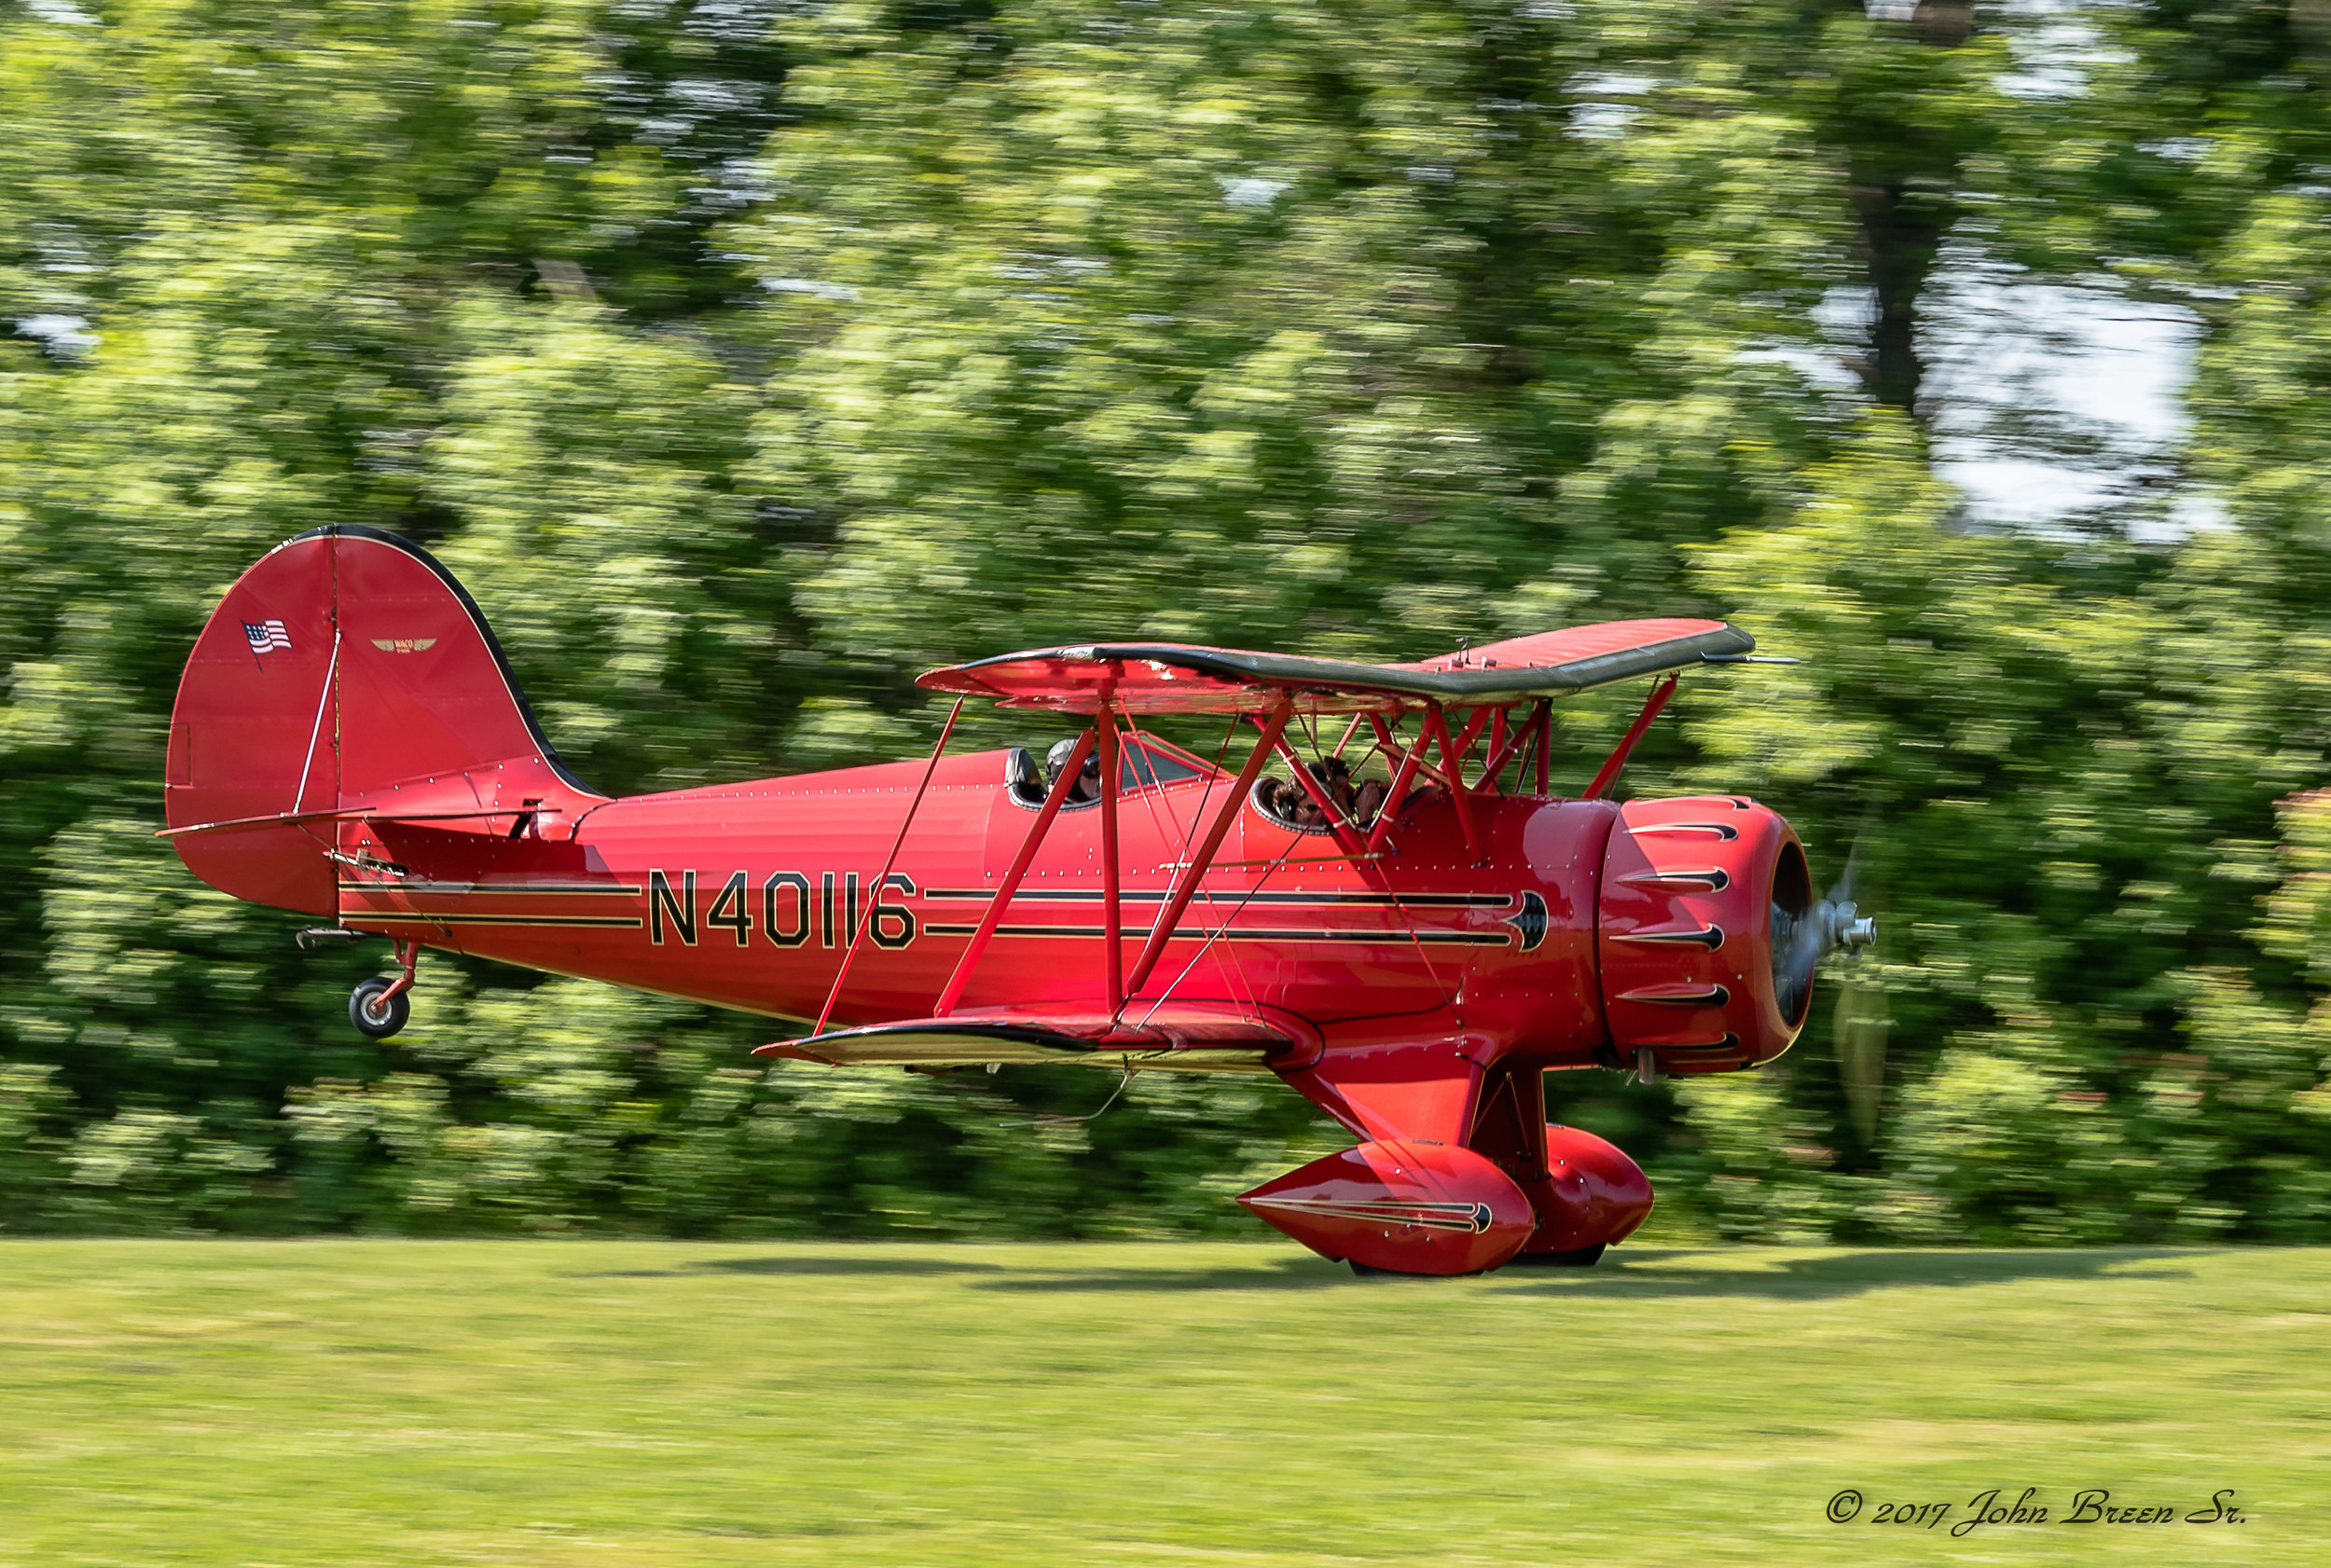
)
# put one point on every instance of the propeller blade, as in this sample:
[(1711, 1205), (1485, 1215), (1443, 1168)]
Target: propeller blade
[(1861, 1048), (1843, 891), (1831, 923)]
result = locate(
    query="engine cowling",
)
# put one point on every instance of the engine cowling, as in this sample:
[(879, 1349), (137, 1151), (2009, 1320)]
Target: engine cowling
[(1697, 895)]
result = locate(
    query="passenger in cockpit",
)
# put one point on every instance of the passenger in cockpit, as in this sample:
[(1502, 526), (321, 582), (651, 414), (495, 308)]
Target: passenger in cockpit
[(1335, 775), (1088, 784)]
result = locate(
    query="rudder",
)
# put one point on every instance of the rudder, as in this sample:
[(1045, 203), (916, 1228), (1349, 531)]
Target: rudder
[(345, 670)]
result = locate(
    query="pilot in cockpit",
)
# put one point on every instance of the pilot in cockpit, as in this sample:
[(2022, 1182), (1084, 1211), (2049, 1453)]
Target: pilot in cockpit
[(1088, 784), (1291, 805)]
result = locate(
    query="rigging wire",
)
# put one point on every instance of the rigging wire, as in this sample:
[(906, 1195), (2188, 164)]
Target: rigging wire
[(1202, 897), (1212, 937), (1049, 1119)]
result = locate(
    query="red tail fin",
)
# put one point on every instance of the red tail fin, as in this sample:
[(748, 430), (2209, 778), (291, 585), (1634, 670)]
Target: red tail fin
[(347, 669)]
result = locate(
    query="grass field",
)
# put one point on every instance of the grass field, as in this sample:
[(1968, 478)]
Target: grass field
[(358, 1402)]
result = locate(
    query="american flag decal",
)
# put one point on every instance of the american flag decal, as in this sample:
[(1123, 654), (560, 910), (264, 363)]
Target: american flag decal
[(267, 635)]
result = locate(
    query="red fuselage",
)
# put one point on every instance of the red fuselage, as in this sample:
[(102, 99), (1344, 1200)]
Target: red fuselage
[(746, 896)]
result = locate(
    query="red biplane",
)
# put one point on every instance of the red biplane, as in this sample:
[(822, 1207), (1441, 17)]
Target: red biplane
[(1410, 952)]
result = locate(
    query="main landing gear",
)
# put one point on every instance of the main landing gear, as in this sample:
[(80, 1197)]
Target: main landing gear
[(380, 1007)]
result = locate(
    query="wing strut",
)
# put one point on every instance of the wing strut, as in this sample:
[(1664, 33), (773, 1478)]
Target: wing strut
[(1607, 774), (882, 879), (1438, 727), (1112, 946), (1186, 883), (1464, 742), (1020, 863), (1401, 778), (1504, 748)]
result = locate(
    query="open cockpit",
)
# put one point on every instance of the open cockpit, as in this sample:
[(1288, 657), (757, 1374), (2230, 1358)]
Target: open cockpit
[(1143, 761), (1287, 803)]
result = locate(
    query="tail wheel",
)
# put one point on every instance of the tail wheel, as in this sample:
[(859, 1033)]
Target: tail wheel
[(378, 1011)]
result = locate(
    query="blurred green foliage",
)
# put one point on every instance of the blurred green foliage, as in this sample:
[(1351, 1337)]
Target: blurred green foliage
[(744, 357)]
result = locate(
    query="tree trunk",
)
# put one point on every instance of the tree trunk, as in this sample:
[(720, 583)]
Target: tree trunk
[(1902, 228)]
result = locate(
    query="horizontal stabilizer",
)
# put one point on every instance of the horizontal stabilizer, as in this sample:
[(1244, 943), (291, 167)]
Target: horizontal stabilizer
[(355, 814), (1186, 1036)]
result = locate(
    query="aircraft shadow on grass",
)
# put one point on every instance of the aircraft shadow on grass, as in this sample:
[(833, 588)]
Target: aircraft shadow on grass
[(821, 1263), (1647, 1273), (1653, 1272), (1303, 1272)]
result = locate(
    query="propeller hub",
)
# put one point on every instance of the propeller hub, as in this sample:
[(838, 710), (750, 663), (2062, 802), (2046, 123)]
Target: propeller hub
[(1850, 930)]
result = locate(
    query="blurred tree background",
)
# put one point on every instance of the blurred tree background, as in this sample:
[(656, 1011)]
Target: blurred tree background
[(746, 356)]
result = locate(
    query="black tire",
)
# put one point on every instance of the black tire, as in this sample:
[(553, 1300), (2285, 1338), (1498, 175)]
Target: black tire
[(374, 1016), (1582, 1258)]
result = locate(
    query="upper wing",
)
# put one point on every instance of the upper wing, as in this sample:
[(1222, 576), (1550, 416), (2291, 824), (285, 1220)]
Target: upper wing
[(1180, 678), (1176, 1034)]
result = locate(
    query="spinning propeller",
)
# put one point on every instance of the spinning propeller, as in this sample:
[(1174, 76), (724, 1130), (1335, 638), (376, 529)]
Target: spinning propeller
[(1802, 938)]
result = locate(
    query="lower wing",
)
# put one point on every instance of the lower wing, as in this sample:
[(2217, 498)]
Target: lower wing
[(1180, 1034)]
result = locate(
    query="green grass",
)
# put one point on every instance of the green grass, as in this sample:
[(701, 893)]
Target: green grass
[(347, 1402)]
